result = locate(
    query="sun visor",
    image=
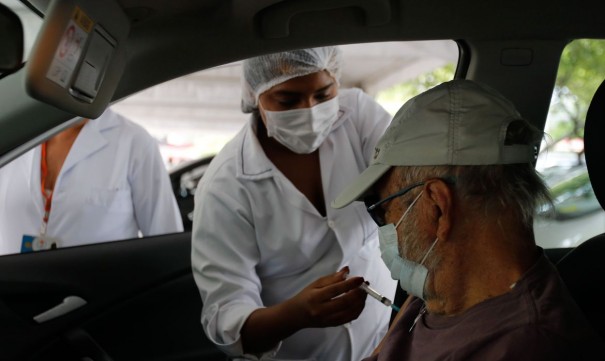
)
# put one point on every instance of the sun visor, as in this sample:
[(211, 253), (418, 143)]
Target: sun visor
[(79, 55)]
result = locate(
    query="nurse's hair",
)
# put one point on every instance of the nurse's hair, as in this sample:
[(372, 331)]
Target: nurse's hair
[(264, 72)]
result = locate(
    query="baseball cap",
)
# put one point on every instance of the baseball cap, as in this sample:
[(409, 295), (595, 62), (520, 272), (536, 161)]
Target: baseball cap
[(460, 122)]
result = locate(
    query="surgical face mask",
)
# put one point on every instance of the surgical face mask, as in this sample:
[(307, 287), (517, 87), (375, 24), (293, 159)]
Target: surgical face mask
[(411, 275), (302, 130)]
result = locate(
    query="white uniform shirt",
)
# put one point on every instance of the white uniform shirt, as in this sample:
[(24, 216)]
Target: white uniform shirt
[(112, 185), (257, 240)]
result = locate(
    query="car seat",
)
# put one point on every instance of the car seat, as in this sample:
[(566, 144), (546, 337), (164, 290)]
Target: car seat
[(583, 269)]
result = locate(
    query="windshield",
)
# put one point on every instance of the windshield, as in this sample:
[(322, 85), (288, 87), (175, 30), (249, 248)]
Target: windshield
[(31, 24)]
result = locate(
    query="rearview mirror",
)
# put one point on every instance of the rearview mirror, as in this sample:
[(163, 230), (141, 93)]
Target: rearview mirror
[(11, 40)]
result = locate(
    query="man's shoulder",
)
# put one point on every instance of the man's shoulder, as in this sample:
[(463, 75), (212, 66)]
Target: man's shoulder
[(538, 342)]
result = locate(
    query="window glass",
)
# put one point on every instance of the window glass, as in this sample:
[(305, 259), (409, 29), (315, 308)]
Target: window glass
[(31, 24), (394, 97), (194, 116), (576, 214), (191, 118)]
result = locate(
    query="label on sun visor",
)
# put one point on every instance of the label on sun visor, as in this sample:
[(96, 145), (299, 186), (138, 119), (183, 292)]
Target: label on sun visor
[(70, 48)]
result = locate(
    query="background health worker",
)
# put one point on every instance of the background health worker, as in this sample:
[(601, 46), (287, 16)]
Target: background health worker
[(100, 180), (269, 255)]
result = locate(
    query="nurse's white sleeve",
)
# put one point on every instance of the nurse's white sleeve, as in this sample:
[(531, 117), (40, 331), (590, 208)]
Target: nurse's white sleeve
[(224, 257), (155, 206), (372, 120)]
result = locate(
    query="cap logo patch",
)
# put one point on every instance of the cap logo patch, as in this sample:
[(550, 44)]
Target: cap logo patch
[(376, 152)]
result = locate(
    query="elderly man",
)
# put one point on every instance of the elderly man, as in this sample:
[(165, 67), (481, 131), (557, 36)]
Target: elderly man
[(453, 188)]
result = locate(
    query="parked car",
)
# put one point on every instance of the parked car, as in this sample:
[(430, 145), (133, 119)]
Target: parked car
[(575, 214), (136, 299), (184, 179)]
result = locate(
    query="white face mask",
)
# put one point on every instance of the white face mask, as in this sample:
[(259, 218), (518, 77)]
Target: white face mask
[(302, 130), (411, 275)]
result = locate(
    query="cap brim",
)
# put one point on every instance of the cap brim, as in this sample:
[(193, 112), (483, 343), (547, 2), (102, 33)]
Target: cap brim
[(360, 186)]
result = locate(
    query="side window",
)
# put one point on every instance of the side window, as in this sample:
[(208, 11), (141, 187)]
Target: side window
[(189, 120), (576, 214), (194, 116), (393, 97), (31, 24)]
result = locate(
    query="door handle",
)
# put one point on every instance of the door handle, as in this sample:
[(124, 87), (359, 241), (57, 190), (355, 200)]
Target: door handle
[(70, 303)]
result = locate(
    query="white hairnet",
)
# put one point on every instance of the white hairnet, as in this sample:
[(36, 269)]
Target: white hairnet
[(263, 72)]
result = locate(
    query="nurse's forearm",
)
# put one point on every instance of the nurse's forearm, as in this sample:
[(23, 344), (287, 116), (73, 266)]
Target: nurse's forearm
[(329, 301), (266, 327)]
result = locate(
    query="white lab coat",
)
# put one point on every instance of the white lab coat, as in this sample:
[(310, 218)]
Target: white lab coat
[(112, 185), (257, 240)]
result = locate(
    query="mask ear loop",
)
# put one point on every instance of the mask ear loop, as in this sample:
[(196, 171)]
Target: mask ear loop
[(429, 251), (409, 208)]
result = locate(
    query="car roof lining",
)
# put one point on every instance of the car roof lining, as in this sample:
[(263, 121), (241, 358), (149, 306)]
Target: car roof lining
[(186, 29), (338, 26)]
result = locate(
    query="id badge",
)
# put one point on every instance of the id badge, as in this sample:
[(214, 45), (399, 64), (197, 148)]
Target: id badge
[(38, 243)]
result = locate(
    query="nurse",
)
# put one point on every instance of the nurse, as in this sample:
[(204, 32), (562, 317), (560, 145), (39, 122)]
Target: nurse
[(279, 270)]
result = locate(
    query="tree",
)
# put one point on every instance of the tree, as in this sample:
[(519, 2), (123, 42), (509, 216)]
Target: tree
[(581, 70), (402, 92)]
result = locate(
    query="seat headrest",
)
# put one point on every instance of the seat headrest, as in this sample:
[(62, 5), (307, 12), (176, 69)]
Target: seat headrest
[(594, 145)]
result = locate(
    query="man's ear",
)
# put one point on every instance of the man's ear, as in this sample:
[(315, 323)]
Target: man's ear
[(442, 201)]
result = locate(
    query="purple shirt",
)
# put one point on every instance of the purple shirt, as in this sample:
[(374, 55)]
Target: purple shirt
[(536, 320)]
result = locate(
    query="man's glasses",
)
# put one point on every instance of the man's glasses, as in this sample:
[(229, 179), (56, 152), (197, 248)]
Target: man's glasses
[(373, 205)]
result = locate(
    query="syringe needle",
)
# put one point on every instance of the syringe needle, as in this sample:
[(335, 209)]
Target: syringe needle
[(372, 292)]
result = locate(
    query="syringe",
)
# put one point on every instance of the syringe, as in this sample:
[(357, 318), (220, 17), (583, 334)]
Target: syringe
[(372, 292)]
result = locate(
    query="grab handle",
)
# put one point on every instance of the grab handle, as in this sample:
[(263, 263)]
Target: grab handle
[(276, 19), (69, 304)]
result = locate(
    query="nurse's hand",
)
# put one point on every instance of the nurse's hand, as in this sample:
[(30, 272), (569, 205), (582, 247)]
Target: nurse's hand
[(329, 301)]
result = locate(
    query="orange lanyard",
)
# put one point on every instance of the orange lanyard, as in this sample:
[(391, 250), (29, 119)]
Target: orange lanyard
[(48, 196)]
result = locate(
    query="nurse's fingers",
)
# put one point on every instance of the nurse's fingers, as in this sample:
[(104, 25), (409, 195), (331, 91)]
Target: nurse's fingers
[(320, 309), (342, 309), (332, 278), (338, 288)]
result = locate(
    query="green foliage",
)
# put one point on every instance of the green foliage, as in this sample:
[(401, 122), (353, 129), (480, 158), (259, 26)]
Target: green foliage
[(404, 91), (581, 70)]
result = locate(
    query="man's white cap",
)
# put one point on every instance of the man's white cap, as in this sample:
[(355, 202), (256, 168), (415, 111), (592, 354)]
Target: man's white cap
[(459, 122)]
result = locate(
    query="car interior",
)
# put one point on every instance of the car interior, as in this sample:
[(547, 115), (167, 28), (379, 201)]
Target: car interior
[(583, 260), (136, 299)]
